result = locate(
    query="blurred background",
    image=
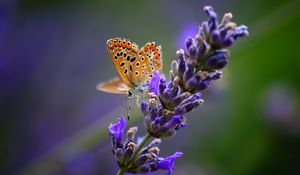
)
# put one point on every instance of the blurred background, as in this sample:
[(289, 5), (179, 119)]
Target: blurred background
[(54, 122)]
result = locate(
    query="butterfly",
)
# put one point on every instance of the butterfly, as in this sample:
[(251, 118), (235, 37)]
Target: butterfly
[(134, 66)]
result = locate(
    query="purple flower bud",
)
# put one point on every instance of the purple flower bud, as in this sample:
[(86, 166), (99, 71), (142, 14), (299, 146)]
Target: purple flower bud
[(193, 82), (175, 120), (175, 92), (177, 100), (189, 42), (210, 12), (192, 51), (181, 62), (228, 41), (217, 60), (227, 30), (157, 121), (162, 86), (153, 114), (202, 85), (167, 95), (189, 72), (144, 107), (191, 99), (179, 111), (181, 125), (241, 31), (191, 47), (212, 18), (216, 75), (215, 36), (202, 49), (221, 64), (188, 107)]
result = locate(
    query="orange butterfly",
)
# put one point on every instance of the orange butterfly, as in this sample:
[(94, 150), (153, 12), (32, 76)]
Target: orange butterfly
[(134, 66)]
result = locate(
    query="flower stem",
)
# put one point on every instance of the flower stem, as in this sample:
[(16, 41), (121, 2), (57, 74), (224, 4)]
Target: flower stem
[(120, 172), (135, 155)]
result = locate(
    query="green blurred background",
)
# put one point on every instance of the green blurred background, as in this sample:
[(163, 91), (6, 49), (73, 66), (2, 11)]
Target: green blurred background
[(54, 122)]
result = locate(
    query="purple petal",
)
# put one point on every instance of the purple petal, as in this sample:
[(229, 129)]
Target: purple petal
[(116, 130), (168, 162), (175, 120), (154, 83), (213, 18), (241, 31), (144, 107)]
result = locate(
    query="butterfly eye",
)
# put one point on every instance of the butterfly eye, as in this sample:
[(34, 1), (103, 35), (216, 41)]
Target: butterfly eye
[(130, 94)]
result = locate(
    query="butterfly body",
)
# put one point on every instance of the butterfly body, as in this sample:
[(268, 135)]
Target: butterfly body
[(134, 66)]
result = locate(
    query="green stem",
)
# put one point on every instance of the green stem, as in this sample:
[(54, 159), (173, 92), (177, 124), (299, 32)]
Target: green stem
[(135, 155), (120, 172)]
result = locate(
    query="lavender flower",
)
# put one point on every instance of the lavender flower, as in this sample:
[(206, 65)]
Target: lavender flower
[(141, 160), (169, 101)]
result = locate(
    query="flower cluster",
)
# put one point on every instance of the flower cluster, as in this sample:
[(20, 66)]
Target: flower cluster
[(192, 72), (170, 100), (135, 160)]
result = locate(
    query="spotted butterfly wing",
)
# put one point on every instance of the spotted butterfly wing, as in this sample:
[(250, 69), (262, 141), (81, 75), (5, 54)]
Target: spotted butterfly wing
[(150, 61), (133, 66), (123, 53)]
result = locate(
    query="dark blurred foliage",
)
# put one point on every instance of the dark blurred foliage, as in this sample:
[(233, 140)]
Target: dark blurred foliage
[(52, 55)]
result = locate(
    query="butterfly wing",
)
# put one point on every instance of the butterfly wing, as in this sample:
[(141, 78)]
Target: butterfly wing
[(134, 67), (123, 53), (148, 61), (115, 86)]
